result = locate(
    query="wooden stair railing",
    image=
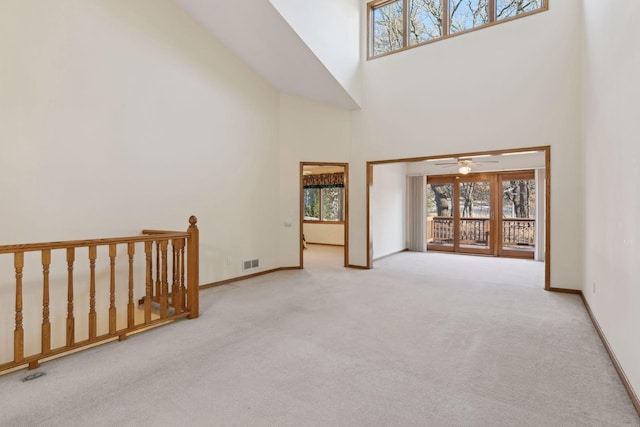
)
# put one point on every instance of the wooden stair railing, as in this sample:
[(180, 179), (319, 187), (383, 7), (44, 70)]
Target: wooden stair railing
[(171, 284)]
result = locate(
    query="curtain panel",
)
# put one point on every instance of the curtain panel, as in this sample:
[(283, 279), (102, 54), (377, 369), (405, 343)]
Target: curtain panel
[(416, 224)]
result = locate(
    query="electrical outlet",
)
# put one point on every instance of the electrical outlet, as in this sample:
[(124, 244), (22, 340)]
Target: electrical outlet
[(594, 287), (229, 260)]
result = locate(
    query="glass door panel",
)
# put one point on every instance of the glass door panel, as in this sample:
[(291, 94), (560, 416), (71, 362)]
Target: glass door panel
[(440, 230), (474, 220), (518, 228)]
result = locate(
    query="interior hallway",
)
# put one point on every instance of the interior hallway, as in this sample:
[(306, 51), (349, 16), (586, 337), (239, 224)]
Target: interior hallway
[(422, 339)]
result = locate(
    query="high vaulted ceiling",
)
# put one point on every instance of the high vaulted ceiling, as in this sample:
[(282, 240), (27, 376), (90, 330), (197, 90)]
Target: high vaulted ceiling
[(257, 33)]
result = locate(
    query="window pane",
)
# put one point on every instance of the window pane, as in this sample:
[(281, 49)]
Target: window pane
[(518, 214), (440, 214), (509, 8), (312, 204), (475, 214), (425, 20), (467, 14), (475, 199), (519, 198), (332, 204), (387, 32)]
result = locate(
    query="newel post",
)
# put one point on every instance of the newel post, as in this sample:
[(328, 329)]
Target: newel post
[(193, 270)]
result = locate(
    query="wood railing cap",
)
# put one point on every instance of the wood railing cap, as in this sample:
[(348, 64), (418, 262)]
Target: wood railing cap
[(29, 247)]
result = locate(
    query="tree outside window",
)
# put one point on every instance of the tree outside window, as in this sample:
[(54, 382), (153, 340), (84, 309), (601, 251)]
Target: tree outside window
[(396, 25), (324, 204)]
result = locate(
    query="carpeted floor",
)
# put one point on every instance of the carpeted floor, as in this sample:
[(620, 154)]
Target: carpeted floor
[(421, 340)]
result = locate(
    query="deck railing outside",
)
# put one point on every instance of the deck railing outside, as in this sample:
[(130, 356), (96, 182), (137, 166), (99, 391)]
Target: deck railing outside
[(516, 232), (74, 294)]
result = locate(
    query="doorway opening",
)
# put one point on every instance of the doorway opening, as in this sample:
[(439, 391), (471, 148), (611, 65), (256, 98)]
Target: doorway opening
[(498, 204), (324, 213)]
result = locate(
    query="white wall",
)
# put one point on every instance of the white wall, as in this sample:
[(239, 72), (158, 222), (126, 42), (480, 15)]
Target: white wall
[(389, 209), (509, 86), (331, 30), (611, 68), (116, 116), (327, 234), (309, 132)]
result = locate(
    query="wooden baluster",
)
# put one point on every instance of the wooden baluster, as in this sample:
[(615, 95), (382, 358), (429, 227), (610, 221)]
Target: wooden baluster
[(46, 324), (532, 234), (175, 284), (71, 331), (18, 334), (131, 313), (512, 232), (193, 273), (183, 292), (148, 247), (158, 290), (93, 323), (519, 232), (164, 290), (112, 289)]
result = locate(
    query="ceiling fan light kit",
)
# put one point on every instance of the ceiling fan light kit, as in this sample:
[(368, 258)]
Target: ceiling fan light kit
[(466, 163)]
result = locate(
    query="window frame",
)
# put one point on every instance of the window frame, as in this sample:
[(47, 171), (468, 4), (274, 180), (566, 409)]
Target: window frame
[(326, 221), (446, 24)]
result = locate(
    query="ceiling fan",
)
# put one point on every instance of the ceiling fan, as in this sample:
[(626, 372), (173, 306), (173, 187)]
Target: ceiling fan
[(465, 163)]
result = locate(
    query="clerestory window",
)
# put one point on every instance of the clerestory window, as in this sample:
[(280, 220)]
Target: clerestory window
[(396, 25)]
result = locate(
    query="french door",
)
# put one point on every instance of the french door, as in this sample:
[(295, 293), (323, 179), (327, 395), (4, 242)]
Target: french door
[(488, 214)]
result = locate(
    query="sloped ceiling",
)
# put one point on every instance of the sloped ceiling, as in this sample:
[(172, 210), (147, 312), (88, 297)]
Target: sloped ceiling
[(260, 36)]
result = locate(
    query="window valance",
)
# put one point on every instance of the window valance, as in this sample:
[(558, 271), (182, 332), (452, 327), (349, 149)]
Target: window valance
[(323, 180)]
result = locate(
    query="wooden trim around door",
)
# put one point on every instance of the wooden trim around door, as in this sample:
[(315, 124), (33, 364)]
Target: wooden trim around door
[(345, 207)]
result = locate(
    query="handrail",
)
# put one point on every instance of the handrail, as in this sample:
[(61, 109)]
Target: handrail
[(32, 247), (171, 284)]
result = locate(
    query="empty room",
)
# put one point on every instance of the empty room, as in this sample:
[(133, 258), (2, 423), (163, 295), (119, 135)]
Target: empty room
[(462, 173)]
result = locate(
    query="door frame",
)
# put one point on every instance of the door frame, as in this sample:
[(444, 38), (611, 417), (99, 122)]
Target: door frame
[(494, 242), (345, 207), (546, 149)]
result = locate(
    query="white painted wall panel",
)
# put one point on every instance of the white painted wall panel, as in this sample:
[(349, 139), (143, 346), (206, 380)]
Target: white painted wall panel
[(116, 116), (327, 234), (389, 209), (612, 171), (509, 86)]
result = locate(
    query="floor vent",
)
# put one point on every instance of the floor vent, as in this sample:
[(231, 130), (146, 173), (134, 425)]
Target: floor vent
[(33, 376), (249, 264)]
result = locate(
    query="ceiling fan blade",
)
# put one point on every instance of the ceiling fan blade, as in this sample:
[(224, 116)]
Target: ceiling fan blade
[(446, 164)]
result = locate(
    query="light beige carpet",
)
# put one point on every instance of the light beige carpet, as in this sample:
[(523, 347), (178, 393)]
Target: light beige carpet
[(421, 340)]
